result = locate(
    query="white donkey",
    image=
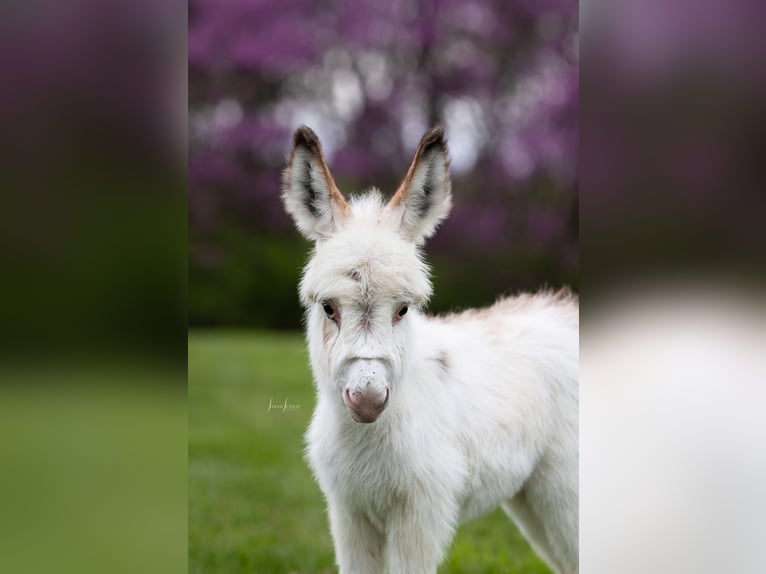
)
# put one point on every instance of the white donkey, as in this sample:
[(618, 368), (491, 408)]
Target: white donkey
[(465, 412)]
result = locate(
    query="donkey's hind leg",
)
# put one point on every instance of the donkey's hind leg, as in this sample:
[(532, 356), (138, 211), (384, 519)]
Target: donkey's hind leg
[(531, 527)]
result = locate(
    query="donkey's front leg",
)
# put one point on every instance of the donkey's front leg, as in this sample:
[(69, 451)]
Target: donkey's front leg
[(418, 535), (358, 544)]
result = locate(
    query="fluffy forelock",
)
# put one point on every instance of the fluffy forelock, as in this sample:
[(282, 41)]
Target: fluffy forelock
[(367, 259)]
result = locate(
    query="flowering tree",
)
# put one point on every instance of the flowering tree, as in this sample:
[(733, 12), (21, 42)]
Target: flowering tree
[(370, 78)]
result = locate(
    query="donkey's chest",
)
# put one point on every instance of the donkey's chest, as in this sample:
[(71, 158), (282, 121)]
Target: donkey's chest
[(362, 464), (373, 470)]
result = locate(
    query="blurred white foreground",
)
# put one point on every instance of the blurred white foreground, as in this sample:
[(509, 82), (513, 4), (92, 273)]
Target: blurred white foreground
[(673, 432)]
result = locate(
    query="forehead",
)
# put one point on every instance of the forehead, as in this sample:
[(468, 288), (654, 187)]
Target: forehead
[(366, 263)]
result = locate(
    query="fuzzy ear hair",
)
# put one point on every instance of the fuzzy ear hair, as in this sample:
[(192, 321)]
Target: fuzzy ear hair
[(308, 189), (424, 198)]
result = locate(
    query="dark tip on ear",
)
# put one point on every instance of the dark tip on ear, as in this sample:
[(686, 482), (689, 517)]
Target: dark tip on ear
[(305, 136), (433, 139)]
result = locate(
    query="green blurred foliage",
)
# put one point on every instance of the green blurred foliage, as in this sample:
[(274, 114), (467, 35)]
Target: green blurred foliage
[(256, 281)]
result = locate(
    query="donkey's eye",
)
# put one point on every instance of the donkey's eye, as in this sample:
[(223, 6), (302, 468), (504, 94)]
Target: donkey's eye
[(331, 312), (403, 311)]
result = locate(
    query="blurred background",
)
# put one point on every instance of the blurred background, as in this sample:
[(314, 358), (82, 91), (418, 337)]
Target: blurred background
[(370, 78)]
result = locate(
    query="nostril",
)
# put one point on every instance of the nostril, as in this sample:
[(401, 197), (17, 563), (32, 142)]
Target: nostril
[(350, 397)]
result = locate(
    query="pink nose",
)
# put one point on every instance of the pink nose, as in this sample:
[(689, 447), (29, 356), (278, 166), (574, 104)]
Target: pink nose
[(365, 407)]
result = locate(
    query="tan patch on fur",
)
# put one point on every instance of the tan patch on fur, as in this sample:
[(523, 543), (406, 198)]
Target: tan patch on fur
[(336, 197)]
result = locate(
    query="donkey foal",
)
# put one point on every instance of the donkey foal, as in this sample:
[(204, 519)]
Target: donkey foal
[(464, 412)]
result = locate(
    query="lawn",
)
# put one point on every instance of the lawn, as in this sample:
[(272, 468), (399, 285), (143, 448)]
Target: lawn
[(253, 504)]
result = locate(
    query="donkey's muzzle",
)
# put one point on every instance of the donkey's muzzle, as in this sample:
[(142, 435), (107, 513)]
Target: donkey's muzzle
[(366, 389), (365, 407)]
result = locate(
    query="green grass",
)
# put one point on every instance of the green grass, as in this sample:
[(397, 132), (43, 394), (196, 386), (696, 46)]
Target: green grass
[(253, 504)]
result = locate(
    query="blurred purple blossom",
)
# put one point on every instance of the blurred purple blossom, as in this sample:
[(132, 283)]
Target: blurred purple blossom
[(370, 78)]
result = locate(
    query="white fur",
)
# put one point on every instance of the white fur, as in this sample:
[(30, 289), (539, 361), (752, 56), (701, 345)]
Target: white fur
[(483, 407)]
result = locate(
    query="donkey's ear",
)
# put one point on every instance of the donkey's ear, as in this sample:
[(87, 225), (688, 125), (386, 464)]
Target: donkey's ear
[(424, 198), (308, 189)]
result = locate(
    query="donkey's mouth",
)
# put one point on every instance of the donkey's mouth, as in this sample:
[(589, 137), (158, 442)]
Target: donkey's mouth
[(365, 408)]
